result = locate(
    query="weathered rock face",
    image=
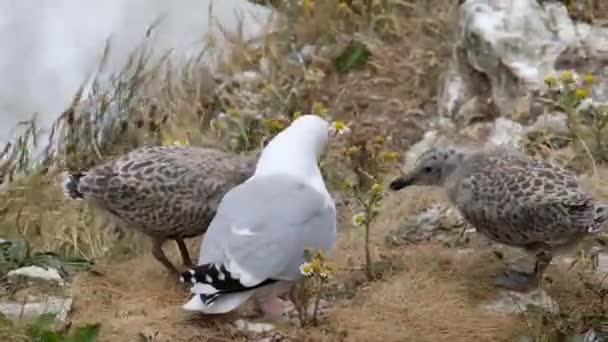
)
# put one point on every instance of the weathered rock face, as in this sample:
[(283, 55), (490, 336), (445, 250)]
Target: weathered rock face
[(38, 291), (513, 45)]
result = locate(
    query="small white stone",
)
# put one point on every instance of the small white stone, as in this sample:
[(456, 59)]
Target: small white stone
[(257, 328), (49, 274)]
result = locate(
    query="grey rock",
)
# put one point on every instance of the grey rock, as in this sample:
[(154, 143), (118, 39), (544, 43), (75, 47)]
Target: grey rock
[(60, 306), (441, 222), (511, 302), (516, 44), (46, 292)]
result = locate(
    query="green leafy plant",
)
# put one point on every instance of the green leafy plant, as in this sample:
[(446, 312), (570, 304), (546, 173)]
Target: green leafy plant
[(42, 330), (369, 158), (316, 273), (354, 57), (369, 199), (17, 253), (586, 120)]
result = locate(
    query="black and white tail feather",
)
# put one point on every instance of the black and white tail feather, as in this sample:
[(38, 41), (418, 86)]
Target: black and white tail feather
[(210, 281), (600, 218), (70, 185)]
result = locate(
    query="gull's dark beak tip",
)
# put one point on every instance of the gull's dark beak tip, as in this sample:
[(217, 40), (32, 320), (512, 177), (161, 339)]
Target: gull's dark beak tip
[(399, 183)]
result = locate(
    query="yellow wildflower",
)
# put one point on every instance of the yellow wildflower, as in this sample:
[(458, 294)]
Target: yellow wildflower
[(316, 265), (389, 156), (275, 124), (339, 127), (314, 75), (347, 184), (379, 140), (219, 123), (567, 76), (306, 269), (589, 78), (268, 88), (234, 112), (551, 81), (325, 272), (319, 109), (343, 7), (308, 5), (358, 219), (581, 93), (376, 188), (351, 151)]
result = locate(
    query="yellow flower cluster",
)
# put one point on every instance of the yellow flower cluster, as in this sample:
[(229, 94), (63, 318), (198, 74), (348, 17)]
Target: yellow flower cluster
[(389, 156), (358, 219), (581, 93), (268, 88), (351, 151), (376, 189), (234, 112), (343, 8), (551, 81), (316, 266), (276, 123), (168, 140), (567, 76), (589, 78), (319, 109), (348, 184), (307, 5), (570, 80), (339, 127)]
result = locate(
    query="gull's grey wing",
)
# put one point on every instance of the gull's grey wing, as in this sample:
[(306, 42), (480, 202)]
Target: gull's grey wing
[(262, 227)]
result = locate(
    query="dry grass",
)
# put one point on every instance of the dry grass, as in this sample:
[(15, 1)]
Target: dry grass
[(427, 292)]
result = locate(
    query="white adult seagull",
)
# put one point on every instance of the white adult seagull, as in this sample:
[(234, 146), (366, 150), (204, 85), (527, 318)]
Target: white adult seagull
[(255, 244)]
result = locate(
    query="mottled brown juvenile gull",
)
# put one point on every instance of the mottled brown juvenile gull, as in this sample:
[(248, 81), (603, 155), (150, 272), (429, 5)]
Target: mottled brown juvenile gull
[(255, 244), (166, 192), (513, 199)]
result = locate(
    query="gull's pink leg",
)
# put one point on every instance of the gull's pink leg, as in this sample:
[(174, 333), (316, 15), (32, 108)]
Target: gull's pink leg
[(271, 306)]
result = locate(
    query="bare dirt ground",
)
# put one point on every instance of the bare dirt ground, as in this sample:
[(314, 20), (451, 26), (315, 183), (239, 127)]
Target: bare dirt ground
[(432, 297), (431, 294)]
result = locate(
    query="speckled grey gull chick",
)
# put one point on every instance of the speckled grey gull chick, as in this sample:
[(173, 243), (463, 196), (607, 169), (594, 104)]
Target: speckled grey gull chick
[(513, 199), (256, 242), (166, 192)]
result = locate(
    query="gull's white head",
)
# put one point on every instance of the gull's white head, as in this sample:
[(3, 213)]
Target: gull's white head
[(297, 149)]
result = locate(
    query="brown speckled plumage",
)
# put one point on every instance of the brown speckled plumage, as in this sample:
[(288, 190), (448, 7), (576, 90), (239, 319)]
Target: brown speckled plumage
[(513, 199), (167, 192)]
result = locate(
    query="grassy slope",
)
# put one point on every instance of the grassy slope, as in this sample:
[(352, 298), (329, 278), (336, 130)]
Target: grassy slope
[(430, 295)]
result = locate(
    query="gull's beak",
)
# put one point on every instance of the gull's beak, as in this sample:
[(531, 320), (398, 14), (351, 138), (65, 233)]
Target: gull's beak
[(401, 182)]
